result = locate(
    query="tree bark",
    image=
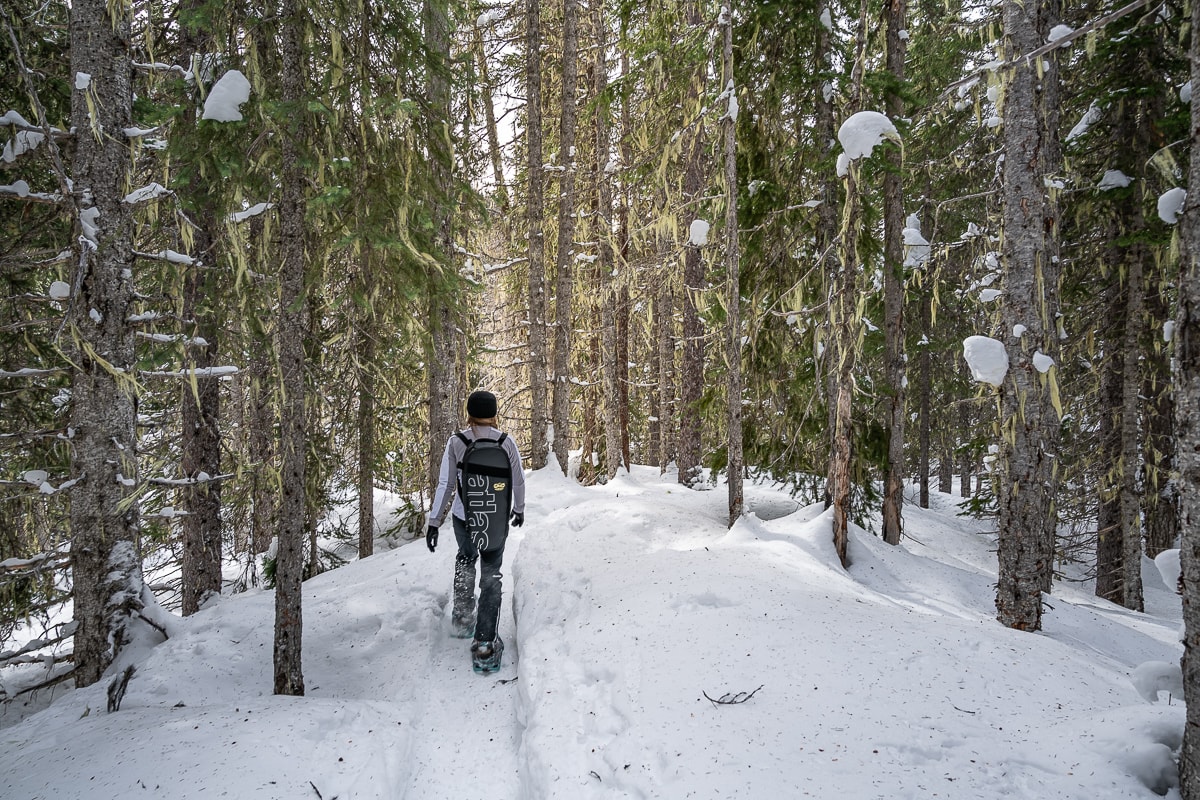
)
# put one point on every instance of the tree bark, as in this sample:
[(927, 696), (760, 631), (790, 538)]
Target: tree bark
[(1131, 456), (201, 399), (845, 323), (1029, 421), (1187, 433), (445, 393), (489, 109), (1109, 548), (691, 372), (609, 353), (564, 280), (733, 349), (291, 336), (534, 215), (366, 438), (893, 288), (104, 516)]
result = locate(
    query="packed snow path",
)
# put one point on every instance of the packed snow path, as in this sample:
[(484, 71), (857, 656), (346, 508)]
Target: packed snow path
[(632, 604)]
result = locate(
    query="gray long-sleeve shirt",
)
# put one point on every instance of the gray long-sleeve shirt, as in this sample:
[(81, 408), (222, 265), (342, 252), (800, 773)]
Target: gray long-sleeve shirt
[(449, 474)]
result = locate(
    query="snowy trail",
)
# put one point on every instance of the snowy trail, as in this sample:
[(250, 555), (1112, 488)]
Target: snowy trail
[(465, 728)]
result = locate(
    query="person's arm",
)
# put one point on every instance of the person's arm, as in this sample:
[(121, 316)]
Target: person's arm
[(444, 495), (518, 475)]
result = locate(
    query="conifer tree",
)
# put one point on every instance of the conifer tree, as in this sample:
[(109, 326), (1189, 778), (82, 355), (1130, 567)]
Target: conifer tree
[(106, 563), (1187, 426), (564, 284), (290, 343), (1029, 328)]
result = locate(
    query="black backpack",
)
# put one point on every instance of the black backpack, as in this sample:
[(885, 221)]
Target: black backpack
[(485, 487)]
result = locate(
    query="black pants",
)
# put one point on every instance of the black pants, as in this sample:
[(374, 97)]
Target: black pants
[(488, 618)]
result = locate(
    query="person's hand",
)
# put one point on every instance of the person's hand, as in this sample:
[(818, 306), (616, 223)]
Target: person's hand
[(431, 537), (518, 519)]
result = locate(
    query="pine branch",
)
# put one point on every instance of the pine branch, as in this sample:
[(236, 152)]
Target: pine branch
[(1095, 24)]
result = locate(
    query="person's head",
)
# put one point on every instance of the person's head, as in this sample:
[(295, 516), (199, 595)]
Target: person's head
[(481, 408)]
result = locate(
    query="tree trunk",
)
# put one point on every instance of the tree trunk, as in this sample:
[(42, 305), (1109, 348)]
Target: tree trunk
[(366, 438), (489, 108), (925, 396), (105, 558), (609, 354), (1131, 507), (200, 454), (292, 334), (1029, 421), (733, 351), (691, 372), (1109, 547), (965, 463), (445, 393), (564, 280), (535, 212), (664, 340), (893, 287), (845, 324), (1187, 437)]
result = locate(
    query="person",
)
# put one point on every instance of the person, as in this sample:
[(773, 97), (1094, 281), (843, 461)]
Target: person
[(486, 646)]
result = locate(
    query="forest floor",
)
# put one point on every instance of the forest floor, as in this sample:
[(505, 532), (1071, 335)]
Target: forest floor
[(652, 653)]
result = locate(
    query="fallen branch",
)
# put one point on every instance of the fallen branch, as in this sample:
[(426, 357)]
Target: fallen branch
[(731, 698)]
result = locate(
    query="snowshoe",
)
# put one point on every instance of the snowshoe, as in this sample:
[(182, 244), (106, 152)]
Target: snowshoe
[(485, 656), (462, 627)]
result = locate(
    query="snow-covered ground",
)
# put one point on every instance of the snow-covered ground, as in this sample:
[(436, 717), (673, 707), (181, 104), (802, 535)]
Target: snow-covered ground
[(627, 607)]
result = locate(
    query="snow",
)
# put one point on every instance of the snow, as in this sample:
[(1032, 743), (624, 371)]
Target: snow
[(826, 19), (82, 81), (1042, 362), (60, 290), (860, 134), (1059, 32), (1114, 179), (987, 359), (151, 191), (252, 211), (1185, 92), (916, 246), (1168, 330), (1170, 205), (626, 605), (224, 101), (988, 295), (698, 232), (1090, 118)]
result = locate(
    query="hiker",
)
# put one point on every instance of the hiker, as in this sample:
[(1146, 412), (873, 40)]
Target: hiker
[(483, 539)]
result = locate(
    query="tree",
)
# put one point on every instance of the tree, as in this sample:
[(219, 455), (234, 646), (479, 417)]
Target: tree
[(200, 457), (564, 286), (534, 216), (1187, 436), (691, 372), (1029, 326), (893, 286), (291, 336), (733, 299), (106, 563)]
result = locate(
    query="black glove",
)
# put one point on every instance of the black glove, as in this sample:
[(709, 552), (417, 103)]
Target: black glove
[(431, 536), (518, 519)]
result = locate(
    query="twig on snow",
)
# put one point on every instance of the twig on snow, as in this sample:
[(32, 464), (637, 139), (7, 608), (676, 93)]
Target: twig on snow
[(731, 698)]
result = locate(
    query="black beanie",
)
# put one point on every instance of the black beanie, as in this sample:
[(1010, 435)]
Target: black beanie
[(481, 405)]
